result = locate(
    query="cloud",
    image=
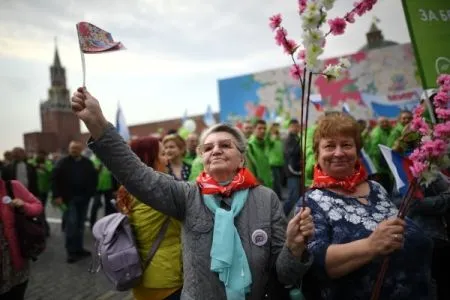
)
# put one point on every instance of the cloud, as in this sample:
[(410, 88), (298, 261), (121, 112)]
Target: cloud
[(176, 50)]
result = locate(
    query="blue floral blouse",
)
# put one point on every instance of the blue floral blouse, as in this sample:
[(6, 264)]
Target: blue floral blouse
[(339, 219)]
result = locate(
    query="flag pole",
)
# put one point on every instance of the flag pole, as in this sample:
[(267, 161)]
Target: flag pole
[(83, 62), (83, 66)]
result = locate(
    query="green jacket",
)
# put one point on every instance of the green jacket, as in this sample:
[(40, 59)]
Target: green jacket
[(258, 161), (275, 152), (196, 168), (104, 176), (44, 173), (365, 139), (310, 156), (396, 132), (378, 136), (189, 159)]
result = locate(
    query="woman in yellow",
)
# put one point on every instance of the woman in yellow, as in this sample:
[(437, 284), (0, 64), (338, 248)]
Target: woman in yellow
[(163, 279)]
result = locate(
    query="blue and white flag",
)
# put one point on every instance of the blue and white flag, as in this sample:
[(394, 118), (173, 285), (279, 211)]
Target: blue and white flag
[(400, 167), (316, 100), (367, 163), (208, 118), (121, 124), (346, 108)]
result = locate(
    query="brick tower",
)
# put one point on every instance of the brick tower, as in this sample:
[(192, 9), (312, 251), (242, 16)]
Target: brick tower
[(56, 114)]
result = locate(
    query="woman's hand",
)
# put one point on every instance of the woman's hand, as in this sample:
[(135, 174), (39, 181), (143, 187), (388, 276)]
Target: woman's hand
[(387, 237), (87, 108), (299, 229), (17, 203)]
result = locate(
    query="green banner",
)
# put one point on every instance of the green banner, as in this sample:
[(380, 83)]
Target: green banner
[(429, 28)]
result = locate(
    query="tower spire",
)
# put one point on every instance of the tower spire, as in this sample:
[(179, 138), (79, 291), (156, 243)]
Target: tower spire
[(57, 72), (56, 60)]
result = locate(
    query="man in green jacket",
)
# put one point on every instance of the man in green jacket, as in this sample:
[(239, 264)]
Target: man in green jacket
[(44, 168), (196, 167), (105, 188), (276, 157), (191, 148), (404, 119), (380, 136), (257, 155), (310, 156)]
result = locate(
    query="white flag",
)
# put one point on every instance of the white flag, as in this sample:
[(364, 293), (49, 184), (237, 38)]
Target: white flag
[(121, 124)]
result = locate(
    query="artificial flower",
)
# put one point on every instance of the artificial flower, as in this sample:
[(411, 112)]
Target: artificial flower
[(337, 26)]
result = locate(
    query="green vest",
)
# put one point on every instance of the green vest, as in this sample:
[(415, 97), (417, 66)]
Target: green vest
[(259, 163), (44, 173), (275, 152), (104, 176)]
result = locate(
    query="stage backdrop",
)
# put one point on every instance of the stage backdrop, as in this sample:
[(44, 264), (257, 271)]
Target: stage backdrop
[(380, 82)]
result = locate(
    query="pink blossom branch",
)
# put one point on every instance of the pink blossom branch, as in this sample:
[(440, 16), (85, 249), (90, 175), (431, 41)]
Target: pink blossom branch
[(403, 210), (338, 25)]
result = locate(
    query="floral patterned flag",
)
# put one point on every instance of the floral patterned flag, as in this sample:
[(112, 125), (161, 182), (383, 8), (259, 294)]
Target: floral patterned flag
[(96, 40)]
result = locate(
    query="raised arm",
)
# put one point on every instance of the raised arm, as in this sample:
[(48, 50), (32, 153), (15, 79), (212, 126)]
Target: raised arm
[(157, 190)]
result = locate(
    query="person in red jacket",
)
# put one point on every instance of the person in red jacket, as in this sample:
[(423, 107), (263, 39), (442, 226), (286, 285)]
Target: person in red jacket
[(14, 269)]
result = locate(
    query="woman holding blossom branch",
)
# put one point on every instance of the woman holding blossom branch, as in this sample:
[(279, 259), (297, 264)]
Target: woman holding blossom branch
[(358, 226)]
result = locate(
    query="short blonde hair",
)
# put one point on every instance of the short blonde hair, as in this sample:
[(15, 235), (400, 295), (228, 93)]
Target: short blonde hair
[(337, 124), (178, 140)]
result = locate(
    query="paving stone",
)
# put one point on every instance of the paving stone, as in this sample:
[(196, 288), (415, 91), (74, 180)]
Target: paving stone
[(52, 278)]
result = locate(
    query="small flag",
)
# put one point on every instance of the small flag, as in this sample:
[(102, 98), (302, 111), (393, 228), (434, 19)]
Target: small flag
[(346, 109), (316, 100), (400, 169), (185, 116), (93, 39), (121, 124), (367, 163), (208, 118)]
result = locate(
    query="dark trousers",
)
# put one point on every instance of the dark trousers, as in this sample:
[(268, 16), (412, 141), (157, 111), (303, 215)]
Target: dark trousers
[(440, 268), (74, 218), (16, 293), (109, 208), (277, 173), (293, 185), (43, 198)]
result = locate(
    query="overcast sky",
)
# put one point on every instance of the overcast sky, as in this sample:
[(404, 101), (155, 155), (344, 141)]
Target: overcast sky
[(176, 52)]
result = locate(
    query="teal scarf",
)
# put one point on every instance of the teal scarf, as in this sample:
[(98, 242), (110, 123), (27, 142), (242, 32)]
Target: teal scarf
[(228, 258)]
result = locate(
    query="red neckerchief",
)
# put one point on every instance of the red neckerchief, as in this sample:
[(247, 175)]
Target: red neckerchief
[(243, 179), (322, 180)]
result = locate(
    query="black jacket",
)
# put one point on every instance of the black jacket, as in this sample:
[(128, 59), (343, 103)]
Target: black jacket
[(292, 154), (63, 178), (10, 173)]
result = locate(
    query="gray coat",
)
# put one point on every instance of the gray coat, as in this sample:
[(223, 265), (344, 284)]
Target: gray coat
[(182, 200)]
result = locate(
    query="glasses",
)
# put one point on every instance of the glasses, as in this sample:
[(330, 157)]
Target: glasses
[(223, 145)]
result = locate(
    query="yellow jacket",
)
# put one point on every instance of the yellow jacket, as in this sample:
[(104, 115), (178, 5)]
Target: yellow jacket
[(165, 270)]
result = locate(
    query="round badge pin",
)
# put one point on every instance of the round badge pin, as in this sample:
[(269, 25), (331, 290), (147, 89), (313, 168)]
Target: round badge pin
[(259, 237)]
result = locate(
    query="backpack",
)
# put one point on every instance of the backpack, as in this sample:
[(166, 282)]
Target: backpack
[(116, 251), (31, 234)]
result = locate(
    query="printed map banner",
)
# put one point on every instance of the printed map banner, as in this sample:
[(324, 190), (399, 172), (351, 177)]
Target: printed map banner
[(429, 27), (380, 82)]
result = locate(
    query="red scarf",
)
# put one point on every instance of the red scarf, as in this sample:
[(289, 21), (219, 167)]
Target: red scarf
[(243, 179), (322, 180)]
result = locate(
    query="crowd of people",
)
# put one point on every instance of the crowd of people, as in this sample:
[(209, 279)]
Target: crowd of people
[(232, 196)]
